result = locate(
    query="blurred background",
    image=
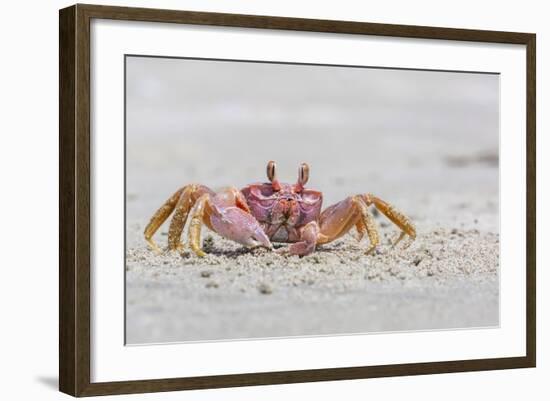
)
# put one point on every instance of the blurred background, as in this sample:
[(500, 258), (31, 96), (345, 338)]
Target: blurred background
[(426, 141)]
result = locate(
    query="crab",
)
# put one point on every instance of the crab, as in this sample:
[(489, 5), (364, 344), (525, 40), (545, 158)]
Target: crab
[(261, 214)]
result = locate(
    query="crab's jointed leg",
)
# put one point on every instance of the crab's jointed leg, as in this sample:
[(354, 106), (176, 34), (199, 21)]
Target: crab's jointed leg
[(361, 230), (367, 220), (397, 217), (335, 221), (195, 225), (159, 217), (181, 201), (187, 199), (341, 217)]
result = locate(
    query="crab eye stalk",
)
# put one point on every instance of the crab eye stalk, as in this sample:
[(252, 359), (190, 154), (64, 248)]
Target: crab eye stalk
[(303, 177), (271, 176), (303, 174), (271, 170)]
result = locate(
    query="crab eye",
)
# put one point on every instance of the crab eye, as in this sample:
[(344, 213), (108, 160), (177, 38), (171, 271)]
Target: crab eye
[(303, 174), (271, 170)]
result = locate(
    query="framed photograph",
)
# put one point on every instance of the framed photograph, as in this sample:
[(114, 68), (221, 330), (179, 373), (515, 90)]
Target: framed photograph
[(250, 200)]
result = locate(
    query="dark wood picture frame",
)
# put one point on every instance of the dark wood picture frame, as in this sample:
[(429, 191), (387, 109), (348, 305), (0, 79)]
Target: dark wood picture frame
[(74, 199)]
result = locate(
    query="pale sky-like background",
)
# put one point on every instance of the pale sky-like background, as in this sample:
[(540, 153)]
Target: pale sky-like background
[(400, 134)]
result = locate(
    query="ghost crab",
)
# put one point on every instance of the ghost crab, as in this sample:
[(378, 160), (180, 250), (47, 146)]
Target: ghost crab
[(262, 213)]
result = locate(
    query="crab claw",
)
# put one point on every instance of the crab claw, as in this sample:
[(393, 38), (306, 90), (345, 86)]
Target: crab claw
[(237, 225)]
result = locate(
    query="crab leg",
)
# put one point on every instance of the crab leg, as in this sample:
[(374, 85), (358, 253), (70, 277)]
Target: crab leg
[(159, 217), (367, 220), (188, 198), (181, 201), (339, 218), (398, 218), (361, 230), (195, 225)]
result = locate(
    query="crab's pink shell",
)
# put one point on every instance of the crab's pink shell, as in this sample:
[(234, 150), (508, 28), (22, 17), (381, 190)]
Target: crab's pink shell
[(283, 212)]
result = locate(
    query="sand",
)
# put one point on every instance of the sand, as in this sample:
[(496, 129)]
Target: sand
[(447, 278)]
